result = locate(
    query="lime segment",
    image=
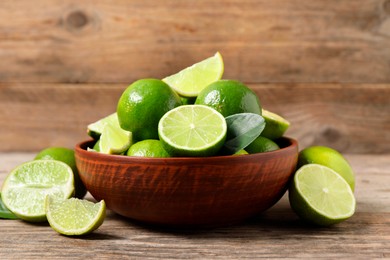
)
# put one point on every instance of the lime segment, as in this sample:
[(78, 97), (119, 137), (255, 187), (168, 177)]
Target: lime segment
[(25, 188), (95, 129), (114, 140), (275, 125), (192, 130), (191, 80), (321, 196), (74, 216)]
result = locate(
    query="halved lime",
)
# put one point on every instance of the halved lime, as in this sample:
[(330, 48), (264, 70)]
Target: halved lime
[(114, 140), (73, 216), (25, 188), (192, 130), (321, 196), (328, 157), (95, 129), (191, 80), (275, 125)]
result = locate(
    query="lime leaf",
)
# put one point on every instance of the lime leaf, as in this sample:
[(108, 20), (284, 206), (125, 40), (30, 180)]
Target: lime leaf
[(242, 129), (4, 212)]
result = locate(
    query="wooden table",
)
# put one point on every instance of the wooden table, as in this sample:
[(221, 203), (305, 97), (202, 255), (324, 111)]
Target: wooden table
[(278, 233)]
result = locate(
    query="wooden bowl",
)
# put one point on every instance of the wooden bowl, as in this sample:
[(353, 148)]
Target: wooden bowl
[(188, 192)]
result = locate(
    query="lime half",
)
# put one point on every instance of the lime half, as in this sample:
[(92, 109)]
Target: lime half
[(25, 188), (191, 80), (73, 216), (275, 125), (321, 196), (95, 129), (192, 130), (114, 140)]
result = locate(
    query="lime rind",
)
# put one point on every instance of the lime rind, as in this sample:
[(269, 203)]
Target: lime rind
[(26, 187), (95, 129), (321, 196), (73, 216), (192, 130), (114, 140), (191, 80)]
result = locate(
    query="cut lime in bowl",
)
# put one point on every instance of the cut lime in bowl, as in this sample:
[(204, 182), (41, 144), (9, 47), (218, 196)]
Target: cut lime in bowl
[(191, 80)]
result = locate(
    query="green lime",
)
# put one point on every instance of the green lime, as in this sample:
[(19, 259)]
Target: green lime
[(65, 155), (191, 80), (26, 187), (275, 125), (114, 140), (188, 100), (142, 105), (241, 152), (320, 195), (229, 97), (95, 129), (261, 145), (74, 217), (148, 148), (192, 130), (328, 157)]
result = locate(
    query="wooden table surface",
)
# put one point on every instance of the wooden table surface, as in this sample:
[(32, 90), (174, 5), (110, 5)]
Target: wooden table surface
[(277, 233)]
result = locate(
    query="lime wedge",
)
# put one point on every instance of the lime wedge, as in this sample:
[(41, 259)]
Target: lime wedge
[(114, 140), (95, 129), (73, 216), (275, 125), (321, 196), (191, 80), (25, 188), (192, 130)]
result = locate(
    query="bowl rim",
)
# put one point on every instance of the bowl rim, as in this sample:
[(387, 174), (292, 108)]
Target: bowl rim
[(81, 149)]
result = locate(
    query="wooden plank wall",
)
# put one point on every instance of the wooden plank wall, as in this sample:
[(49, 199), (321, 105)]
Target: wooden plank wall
[(324, 65)]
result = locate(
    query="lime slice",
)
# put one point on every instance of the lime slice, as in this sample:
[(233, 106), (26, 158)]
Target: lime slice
[(73, 216), (192, 130), (95, 129), (321, 196), (25, 188), (114, 140), (191, 80), (275, 125)]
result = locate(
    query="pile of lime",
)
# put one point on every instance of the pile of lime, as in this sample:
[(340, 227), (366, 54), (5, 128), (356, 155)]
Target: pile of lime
[(191, 113)]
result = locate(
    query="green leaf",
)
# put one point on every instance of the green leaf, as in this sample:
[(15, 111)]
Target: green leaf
[(242, 129), (4, 212)]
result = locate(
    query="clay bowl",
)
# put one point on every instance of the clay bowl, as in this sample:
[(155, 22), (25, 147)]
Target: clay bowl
[(188, 192)]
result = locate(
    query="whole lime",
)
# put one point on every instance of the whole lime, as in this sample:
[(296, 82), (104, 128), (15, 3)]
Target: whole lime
[(329, 157), (142, 105), (261, 144), (229, 97), (65, 155), (148, 148)]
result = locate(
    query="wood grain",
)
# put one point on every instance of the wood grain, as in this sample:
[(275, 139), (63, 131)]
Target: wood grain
[(278, 233), (261, 41), (353, 118)]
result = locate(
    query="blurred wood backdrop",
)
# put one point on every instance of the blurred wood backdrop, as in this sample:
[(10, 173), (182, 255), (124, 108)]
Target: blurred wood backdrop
[(324, 65)]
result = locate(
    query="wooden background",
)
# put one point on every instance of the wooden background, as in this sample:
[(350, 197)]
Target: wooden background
[(324, 65)]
